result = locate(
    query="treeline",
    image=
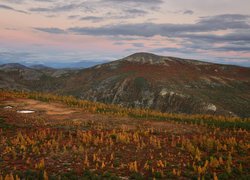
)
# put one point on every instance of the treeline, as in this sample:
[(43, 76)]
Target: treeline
[(116, 110)]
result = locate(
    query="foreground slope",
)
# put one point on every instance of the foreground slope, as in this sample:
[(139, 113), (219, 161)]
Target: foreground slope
[(67, 138), (146, 80)]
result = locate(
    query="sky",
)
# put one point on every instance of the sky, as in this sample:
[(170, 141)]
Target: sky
[(46, 31)]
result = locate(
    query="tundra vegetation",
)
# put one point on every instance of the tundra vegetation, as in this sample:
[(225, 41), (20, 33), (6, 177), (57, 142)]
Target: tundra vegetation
[(210, 147)]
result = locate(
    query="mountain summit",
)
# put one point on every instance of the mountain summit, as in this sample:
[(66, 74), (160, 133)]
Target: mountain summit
[(147, 58)]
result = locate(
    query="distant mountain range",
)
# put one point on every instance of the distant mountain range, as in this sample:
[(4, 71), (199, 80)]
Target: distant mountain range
[(62, 65), (167, 84)]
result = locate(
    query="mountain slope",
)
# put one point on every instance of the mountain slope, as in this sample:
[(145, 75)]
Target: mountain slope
[(167, 84), (38, 78)]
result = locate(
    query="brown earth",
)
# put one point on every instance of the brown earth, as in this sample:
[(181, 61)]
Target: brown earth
[(59, 114)]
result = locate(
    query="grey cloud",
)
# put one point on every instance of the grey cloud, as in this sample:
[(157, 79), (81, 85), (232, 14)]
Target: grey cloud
[(228, 21), (188, 31), (138, 1), (209, 47), (118, 43), (92, 18), (241, 43), (221, 22), (225, 17), (52, 16), (2, 6), (73, 16), (11, 29), (63, 8), (197, 36), (40, 9), (189, 12), (115, 30), (233, 48), (230, 37), (45, 0), (208, 24), (22, 1), (152, 5), (14, 1), (128, 13), (55, 9), (136, 11), (137, 8), (6, 7), (193, 44), (138, 44), (51, 30)]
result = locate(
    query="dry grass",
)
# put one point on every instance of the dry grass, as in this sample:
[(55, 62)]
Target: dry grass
[(56, 140)]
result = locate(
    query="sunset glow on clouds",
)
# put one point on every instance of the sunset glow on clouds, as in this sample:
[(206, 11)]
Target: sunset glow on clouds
[(42, 31)]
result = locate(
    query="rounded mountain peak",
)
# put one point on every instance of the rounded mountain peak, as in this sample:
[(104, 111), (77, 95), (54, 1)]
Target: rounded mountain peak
[(147, 58)]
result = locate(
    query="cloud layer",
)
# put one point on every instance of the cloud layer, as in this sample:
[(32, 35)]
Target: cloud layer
[(212, 30), (203, 32)]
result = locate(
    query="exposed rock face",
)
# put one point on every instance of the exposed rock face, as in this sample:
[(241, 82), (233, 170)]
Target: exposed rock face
[(128, 94), (168, 84), (146, 80)]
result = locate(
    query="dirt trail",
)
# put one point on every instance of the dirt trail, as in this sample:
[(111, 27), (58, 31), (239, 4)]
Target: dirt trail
[(48, 108), (60, 114)]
